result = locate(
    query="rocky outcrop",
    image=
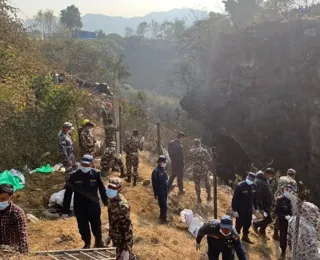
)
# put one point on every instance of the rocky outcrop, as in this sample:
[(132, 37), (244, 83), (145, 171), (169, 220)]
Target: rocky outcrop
[(263, 98)]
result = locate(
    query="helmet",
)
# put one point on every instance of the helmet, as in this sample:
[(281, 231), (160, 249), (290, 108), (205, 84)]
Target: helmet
[(68, 125), (113, 144), (115, 182), (84, 122), (97, 84), (291, 172)]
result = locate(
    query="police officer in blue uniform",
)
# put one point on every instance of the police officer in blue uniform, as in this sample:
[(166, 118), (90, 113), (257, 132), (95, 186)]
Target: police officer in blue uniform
[(222, 239), (160, 187), (85, 183), (243, 201)]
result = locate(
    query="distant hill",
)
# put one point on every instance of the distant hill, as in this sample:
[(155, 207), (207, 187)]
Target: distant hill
[(117, 24)]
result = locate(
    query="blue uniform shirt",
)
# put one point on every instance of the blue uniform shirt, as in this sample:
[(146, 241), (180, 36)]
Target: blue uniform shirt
[(159, 181)]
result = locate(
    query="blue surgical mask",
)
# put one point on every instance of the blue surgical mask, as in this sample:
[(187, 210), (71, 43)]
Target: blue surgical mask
[(111, 193), (249, 182), (286, 194), (4, 205), (85, 169)]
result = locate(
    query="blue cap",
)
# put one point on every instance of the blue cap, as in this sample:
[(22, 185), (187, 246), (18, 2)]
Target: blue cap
[(162, 158), (226, 222), (87, 159)]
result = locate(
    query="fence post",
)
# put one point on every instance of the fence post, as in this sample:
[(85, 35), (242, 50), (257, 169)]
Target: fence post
[(159, 139), (215, 184), (120, 128), (296, 233)]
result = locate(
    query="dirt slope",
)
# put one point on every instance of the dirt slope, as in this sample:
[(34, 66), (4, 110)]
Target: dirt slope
[(152, 241)]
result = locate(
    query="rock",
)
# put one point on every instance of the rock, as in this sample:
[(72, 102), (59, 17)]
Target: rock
[(146, 183), (32, 218)]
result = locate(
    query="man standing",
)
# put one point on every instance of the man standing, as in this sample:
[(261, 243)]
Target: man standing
[(264, 200), (283, 182), (175, 150), (160, 187), (131, 148), (201, 160), (222, 239), (66, 148), (243, 201), (13, 223), (110, 131), (121, 231), (85, 183), (109, 159), (87, 141)]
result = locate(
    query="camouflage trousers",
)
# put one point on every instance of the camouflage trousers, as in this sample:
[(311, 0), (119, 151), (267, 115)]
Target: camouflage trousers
[(132, 161), (70, 169), (119, 252), (109, 163), (197, 177)]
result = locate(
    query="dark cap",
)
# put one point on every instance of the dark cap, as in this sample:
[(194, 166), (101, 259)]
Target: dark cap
[(226, 222), (269, 171), (115, 182), (181, 134), (162, 158), (6, 188), (87, 159), (251, 176)]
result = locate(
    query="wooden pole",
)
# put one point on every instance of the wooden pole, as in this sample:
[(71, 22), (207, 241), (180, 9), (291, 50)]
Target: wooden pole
[(120, 129), (215, 184), (159, 139)]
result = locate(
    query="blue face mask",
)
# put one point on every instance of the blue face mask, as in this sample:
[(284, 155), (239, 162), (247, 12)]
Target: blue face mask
[(4, 205), (111, 193), (286, 194), (249, 182)]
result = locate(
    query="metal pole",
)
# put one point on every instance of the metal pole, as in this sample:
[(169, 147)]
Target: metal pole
[(296, 233), (120, 129), (215, 184), (159, 139)]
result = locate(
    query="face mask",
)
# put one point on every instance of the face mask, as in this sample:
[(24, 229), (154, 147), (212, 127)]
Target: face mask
[(85, 169), (286, 194), (163, 165), (111, 193), (4, 205), (249, 182), (69, 131), (224, 233)]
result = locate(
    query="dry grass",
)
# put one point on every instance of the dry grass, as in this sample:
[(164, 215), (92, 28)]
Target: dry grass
[(152, 241)]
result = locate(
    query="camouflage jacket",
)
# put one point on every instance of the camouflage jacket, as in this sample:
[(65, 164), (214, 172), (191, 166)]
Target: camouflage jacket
[(87, 142), (66, 148), (200, 159), (132, 146), (109, 157), (110, 131), (283, 182), (121, 230)]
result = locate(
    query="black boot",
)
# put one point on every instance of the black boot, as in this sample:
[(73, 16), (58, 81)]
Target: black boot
[(122, 175), (134, 181), (87, 245), (128, 179), (247, 239), (99, 244), (276, 235), (209, 198)]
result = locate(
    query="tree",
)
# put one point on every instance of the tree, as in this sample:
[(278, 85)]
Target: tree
[(45, 21), (242, 12), (142, 29), (155, 29), (71, 18), (100, 34), (128, 32)]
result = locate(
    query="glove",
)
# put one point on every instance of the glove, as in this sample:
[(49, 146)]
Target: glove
[(64, 216), (287, 217), (235, 214), (265, 214), (108, 241), (198, 246), (124, 255)]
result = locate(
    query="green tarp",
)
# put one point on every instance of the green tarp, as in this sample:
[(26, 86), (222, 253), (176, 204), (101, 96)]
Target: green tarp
[(44, 169), (7, 178)]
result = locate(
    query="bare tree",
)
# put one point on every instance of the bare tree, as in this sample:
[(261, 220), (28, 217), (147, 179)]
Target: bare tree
[(45, 21)]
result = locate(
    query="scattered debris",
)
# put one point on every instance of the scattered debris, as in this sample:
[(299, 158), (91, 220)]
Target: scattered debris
[(32, 218)]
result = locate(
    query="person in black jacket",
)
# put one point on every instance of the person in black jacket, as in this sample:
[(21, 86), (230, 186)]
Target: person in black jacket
[(160, 187), (243, 201), (175, 150), (264, 200), (284, 211), (222, 239), (85, 183)]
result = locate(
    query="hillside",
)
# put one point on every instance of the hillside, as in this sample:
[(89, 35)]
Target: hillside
[(117, 24)]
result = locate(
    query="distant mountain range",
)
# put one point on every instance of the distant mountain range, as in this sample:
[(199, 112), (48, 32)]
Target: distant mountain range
[(117, 24)]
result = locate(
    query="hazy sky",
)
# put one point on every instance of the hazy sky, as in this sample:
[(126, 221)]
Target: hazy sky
[(126, 8)]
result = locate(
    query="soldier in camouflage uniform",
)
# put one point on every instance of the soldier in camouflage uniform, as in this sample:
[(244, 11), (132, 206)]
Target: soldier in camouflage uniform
[(110, 131), (283, 182), (87, 141), (121, 230), (201, 160), (109, 159), (131, 148), (66, 149)]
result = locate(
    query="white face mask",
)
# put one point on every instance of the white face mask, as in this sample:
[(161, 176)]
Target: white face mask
[(225, 234), (249, 182), (69, 131), (85, 169), (163, 165)]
